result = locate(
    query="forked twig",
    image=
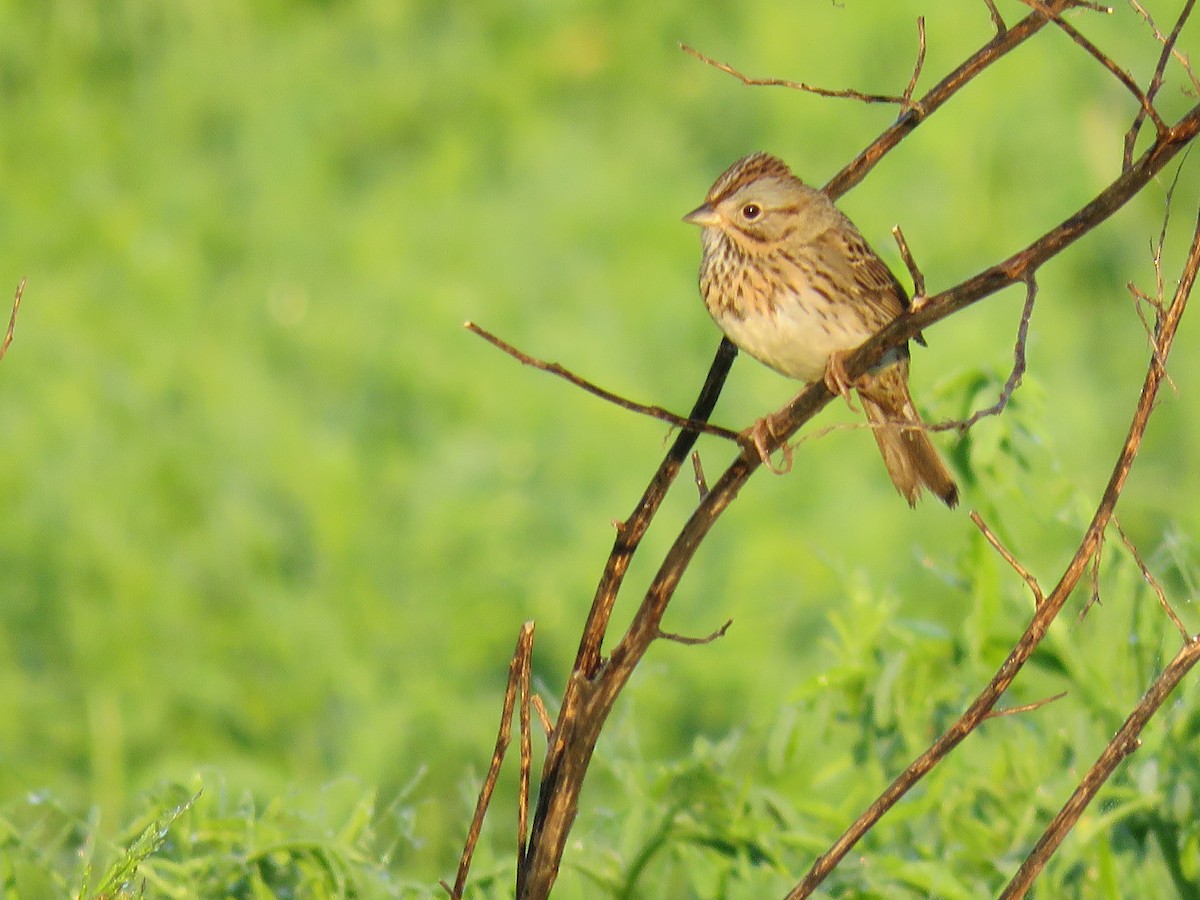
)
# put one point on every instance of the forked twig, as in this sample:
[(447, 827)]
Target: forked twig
[(1094, 598), (656, 412), (1156, 81), (12, 319)]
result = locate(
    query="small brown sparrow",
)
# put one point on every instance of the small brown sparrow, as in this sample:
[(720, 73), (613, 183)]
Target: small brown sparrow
[(790, 281)]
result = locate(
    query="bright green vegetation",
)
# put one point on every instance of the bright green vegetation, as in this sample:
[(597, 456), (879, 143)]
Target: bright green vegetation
[(271, 519)]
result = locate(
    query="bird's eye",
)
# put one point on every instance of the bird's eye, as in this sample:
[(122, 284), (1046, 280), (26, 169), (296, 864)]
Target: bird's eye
[(751, 211)]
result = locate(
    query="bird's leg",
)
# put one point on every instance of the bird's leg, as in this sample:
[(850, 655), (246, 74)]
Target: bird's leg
[(759, 435), (835, 376)]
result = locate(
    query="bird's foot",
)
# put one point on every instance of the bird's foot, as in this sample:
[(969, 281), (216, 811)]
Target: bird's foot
[(760, 434), (836, 379)]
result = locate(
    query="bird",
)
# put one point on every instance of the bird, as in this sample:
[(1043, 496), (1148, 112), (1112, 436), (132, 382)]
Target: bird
[(792, 282)]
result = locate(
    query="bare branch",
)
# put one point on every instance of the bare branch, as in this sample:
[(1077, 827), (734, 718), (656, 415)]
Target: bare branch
[(1036, 589), (1123, 743), (1169, 48), (1024, 708), (12, 319), (1153, 582), (656, 412), (1004, 42)]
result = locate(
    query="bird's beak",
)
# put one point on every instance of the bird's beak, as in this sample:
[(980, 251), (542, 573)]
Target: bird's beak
[(704, 216)]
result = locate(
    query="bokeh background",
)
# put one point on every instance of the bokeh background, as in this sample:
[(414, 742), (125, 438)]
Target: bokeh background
[(271, 518)]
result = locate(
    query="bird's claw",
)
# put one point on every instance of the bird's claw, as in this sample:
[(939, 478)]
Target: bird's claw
[(836, 379), (760, 434)]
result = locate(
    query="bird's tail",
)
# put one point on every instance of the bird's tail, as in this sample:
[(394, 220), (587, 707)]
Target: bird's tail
[(910, 457)]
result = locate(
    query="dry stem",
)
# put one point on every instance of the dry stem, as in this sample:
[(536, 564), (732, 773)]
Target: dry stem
[(12, 319)]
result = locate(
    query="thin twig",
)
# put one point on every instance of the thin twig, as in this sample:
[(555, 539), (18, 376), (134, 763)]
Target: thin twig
[(1158, 301), (543, 715), (906, 98), (1123, 743), (1025, 707), (12, 319), (518, 673), (656, 412), (1036, 589), (1094, 598), (1156, 81), (792, 85), (1153, 582), (1014, 377), (997, 19), (695, 641), (918, 278)]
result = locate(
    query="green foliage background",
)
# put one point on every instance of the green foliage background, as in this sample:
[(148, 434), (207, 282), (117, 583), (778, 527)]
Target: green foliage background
[(271, 519)]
